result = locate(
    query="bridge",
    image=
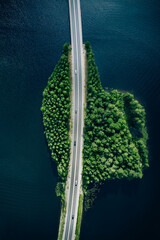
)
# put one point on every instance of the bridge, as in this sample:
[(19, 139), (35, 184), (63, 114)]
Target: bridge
[(77, 113)]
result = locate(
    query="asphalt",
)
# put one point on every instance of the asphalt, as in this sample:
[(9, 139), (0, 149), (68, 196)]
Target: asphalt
[(76, 151)]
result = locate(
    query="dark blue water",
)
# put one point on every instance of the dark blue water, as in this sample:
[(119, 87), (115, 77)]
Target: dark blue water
[(125, 36), (32, 34)]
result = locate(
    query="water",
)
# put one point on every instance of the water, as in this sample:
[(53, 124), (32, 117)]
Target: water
[(32, 34), (125, 38)]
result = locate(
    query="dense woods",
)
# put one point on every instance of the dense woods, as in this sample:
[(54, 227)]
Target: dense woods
[(56, 114), (114, 136)]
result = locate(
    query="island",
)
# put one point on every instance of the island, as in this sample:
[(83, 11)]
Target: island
[(115, 133)]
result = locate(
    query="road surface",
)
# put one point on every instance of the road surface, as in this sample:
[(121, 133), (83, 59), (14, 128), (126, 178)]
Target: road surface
[(77, 97)]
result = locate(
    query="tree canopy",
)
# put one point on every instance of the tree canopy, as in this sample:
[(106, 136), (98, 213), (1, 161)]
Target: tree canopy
[(56, 113), (115, 134)]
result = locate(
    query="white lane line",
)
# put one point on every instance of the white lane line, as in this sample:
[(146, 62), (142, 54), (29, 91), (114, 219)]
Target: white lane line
[(77, 124), (81, 139), (73, 111)]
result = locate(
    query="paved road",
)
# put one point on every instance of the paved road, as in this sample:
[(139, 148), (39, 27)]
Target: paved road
[(76, 148)]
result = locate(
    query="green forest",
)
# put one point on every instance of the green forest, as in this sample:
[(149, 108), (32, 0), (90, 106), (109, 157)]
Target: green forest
[(115, 134), (56, 114)]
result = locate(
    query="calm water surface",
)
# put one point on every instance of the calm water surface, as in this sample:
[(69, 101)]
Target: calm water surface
[(125, 37), (32, 34)]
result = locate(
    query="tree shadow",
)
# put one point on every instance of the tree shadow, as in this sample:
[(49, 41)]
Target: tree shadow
[(113, 187)]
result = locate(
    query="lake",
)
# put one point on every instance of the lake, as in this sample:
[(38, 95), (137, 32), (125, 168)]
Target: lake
[(125, 37)]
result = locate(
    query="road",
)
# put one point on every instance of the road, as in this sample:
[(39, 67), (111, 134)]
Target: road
[(77, 97)]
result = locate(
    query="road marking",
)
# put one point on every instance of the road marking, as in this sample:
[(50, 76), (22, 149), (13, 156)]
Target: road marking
[(76, 138), (73, 89), (77, 168), (77, 123), (79, 163)]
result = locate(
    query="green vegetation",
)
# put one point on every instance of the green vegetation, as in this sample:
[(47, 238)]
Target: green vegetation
[(56, 114), (62, 221), (79, 217), (115, 135)]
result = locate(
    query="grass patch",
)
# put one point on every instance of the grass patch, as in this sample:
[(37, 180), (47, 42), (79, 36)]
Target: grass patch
[(62, 221), (79, 217)]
